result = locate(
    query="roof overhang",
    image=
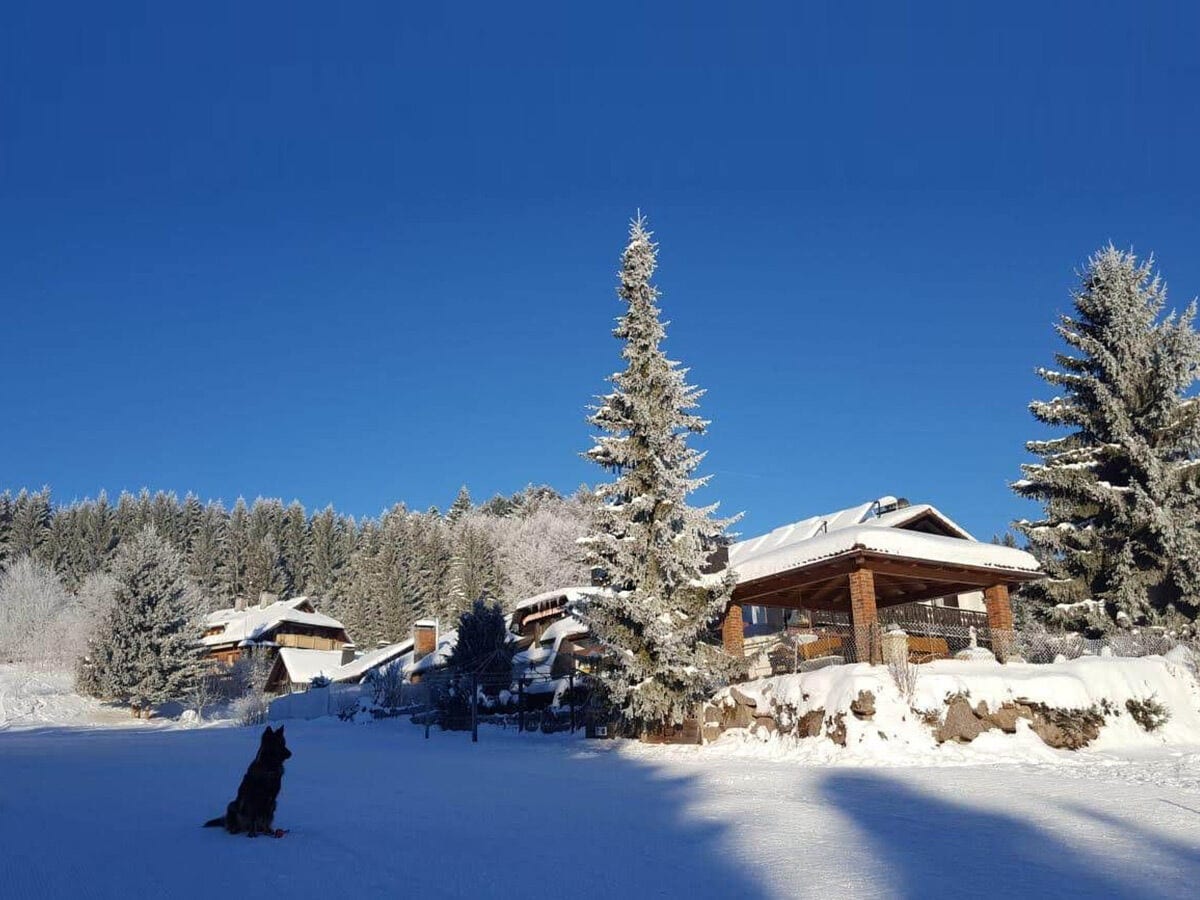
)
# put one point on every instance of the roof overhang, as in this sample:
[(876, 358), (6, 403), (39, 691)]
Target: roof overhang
[(909, 567)]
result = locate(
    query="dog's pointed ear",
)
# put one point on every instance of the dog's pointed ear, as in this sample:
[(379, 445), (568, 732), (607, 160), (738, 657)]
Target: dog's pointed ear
[(268, 731), (279, 730)]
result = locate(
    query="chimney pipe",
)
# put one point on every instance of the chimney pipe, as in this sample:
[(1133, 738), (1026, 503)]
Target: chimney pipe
[(349, 651)]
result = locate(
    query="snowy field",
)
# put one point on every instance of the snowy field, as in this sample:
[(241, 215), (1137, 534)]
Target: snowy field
[(374, 810)]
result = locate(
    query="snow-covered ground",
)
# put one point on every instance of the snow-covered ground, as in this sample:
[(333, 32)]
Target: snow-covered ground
[(376, 809), (29, 698)]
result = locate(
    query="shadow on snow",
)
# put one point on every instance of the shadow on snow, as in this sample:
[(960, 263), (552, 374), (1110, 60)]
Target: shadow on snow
[(372, 809), (928, 847)]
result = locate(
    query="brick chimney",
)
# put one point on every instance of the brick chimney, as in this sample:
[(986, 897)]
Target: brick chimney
[(266, 598), (239, 604), (425, 635), (348, 652)]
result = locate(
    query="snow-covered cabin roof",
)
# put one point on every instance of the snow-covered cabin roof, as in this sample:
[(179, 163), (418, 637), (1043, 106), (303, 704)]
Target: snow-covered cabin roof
[(302, 666), (380, 656), (256, 622)]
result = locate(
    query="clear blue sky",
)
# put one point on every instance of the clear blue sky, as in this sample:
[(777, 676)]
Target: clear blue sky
[(363, 253)]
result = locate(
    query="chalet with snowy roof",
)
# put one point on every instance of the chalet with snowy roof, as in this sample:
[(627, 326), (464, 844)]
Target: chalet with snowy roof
[(858, 561), (272, 623), (549, 639)]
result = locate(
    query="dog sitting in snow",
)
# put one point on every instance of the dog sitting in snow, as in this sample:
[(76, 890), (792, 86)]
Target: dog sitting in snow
[(253, 811)]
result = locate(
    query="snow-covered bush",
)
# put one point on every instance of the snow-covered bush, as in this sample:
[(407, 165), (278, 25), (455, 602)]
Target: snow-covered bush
[(249, 709), (1149, 713), (250, 673), (386, 685), (204, 692)]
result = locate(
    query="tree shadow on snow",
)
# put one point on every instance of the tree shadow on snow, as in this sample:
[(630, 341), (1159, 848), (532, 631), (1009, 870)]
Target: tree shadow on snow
[(928, 847)]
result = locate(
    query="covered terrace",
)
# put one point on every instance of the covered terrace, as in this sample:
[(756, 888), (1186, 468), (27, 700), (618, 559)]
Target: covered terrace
[(861, 569)]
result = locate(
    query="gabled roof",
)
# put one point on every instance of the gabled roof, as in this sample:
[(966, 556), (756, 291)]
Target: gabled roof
[(890, 541), (863, 514), (380, 656), (916, 532), (257, 622), (302, 666)]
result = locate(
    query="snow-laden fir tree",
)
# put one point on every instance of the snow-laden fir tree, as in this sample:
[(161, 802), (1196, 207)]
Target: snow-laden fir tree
[(649, 544), (145, 652), (1120, 533)]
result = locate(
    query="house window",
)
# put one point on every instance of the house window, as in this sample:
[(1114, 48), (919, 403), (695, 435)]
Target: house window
[(951, 601)]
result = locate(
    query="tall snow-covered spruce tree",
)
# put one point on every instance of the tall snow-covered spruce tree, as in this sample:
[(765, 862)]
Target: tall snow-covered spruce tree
[(649, 544), (145, 652), (1120, 534)]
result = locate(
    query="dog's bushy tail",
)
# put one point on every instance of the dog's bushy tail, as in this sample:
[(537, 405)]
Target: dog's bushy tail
[(218, 822)]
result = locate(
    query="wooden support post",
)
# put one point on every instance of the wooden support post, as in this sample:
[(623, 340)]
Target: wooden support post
[(733, 631), (864, 617), (1000, 620)]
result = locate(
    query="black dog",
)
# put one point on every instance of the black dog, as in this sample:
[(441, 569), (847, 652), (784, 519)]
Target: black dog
[(254, 809)]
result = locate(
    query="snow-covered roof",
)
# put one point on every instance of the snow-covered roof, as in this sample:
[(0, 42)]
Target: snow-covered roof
[(438, 657), (359, 667), (891, 541), (863, 514), (570, 595), (563, 628), (302, 666), (256, 622)]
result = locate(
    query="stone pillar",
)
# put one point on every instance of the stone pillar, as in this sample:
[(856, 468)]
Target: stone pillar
[(1000, 620), (895, 647), (733, 631), (864, 618)]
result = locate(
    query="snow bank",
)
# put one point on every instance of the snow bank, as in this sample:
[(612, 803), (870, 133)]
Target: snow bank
[(855, 713), (30, 698)]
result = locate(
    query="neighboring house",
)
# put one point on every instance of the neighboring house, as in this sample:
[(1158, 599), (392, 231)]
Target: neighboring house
[(273, 624), (549, 640)]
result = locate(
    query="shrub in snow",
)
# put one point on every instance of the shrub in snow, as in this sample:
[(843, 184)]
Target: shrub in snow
[(1148, 713), (1119, 539), (904, 673), (386, 686), (205, 690), (251, 672), (249, 709), (319, 681), (649, 545)]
